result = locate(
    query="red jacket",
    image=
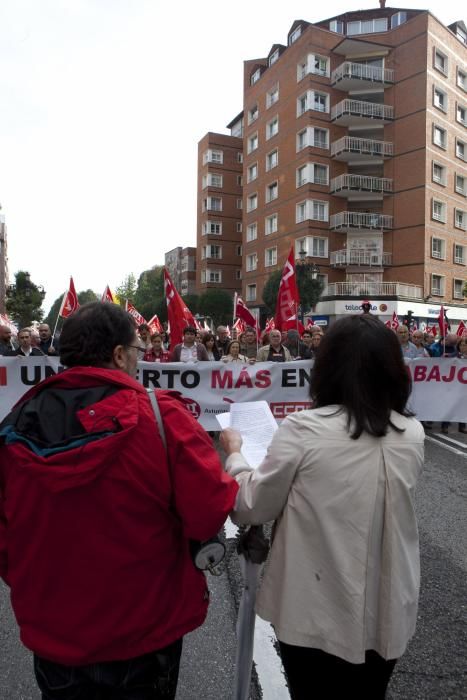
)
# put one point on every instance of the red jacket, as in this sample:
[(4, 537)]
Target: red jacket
[(94, 534)]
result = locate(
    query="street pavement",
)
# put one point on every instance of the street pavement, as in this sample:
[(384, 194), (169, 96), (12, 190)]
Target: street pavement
[(434, 667)]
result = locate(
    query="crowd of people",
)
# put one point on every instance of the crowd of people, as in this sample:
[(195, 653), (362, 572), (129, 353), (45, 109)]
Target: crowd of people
[(104, 487)]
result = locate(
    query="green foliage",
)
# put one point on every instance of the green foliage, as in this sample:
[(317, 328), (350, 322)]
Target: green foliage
[(270, 292), (149, 298), (24, 301), (192, 301), (127, 289), (218, 304), (465, 289), (83, 297)]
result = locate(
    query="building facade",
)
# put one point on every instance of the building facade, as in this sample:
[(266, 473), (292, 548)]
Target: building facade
[(181, 265), (354, 140)]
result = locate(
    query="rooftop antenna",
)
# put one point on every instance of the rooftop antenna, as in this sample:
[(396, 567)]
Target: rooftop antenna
[(382, 4)]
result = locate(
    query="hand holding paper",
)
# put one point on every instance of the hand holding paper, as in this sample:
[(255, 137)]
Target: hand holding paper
[(256, 425)]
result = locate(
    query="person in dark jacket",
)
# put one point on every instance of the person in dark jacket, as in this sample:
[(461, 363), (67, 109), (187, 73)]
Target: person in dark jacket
[(96, 518), (25, 345), (47, 344)]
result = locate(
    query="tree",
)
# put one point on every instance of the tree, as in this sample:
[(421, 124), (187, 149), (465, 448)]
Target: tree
[(465, 289), (309, 289), (216, 303), (270, 292), (83, 297), (127, 288), (149, 298), (24, 300)]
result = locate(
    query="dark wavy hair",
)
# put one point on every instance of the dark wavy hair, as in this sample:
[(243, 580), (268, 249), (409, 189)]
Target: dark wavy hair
[(360, 367), (90, 335)]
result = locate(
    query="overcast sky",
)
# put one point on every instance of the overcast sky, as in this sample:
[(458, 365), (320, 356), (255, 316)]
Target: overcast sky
[(102, 104)]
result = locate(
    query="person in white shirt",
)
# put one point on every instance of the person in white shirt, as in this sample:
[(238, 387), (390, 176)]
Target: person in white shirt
[(342, 582), (189, 350), (25, 345)]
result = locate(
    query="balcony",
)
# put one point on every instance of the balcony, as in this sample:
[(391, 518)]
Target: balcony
[(351, 148), (360, 258), (359, 76), (373, 290), (351, 220), (358, 113), (353, 186)]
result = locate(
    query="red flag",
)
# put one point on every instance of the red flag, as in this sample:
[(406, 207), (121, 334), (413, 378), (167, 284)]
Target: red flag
[(155, 326), (134, 312), (239, 326), (292, 323), (179, 314), (241, 311), (395, 323), (443, 322), (310, 323), (108, 296), (69, 302), (269, 325), (287, 298), (461, 329)]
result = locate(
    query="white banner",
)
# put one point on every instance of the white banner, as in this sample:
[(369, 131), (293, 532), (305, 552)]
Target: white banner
[(439, 385)]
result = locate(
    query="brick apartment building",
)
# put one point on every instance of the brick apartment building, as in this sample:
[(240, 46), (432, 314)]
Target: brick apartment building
[(353, 138), (181, 265)]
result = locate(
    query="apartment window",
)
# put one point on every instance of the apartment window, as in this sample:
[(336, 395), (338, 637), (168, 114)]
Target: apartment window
[(320, 65), (240, 180), (312, 209), (319, 210), (439, 136), (238, 250), (272, 127), (251, 232), (438, 248), (272, 191), (438, 212), (302, 104), (272, 96), (212, 228), (255, 76), (212, 180), (300, 213), (251, 292), (211, 156), (367, 26), (398, 19), (312, 172), (273, 57), (270, 224), (302, 69), (440, 99), (211, 276), (295, 34), (460, 219), (320, 138), (437, 285), (440, 62), (252, 202), (461, 185), (252, 172), (238, 274), (211, 251), (239, 157), (461, 79), (459, 254), (320, 101), (270, 257), (461, 114), (336, 25), (272, 159), (439, 174), (252, 142), (461, 150), (239, 227), (251, 262), (458, 289), (253, 114), (212, 204), (302, 139), (239, 203), (319, 247)]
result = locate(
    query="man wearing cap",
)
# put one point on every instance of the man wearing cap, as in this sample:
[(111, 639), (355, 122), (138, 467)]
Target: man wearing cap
[(189, 350)]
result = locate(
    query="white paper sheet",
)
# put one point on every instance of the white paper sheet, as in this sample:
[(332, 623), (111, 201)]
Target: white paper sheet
[(256, 424)]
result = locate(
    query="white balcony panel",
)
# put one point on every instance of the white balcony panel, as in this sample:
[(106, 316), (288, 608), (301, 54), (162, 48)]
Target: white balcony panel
[(359, 258), (360, 186), (359, 113), (373, 289), (350, 220), (351, 148), (357, 76)]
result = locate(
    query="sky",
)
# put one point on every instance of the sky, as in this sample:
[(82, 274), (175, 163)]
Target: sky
[(102, 105)]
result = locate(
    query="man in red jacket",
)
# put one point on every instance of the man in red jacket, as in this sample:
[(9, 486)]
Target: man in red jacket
[(96, 518)]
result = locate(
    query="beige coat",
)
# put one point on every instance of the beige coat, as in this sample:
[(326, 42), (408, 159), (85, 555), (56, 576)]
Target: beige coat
[(263, 353), (343, 574)]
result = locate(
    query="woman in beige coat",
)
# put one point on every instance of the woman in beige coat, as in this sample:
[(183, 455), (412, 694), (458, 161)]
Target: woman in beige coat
[(342, 581)]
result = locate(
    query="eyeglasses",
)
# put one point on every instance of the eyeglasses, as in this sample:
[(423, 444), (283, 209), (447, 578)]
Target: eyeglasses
[(136, 347)]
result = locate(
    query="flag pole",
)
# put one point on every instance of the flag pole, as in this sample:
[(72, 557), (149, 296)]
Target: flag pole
[(58, 316), (234, 307)]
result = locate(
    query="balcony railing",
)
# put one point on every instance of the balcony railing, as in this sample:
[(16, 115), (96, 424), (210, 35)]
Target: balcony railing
[(360, 257), (362, 220), (361, 183), (358, 108), (362, 71), (373, 289), (367, 147)]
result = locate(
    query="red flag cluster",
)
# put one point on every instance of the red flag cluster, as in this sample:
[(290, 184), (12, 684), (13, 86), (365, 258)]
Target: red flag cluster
[(70, 301), (178, 313), (287, 299)]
